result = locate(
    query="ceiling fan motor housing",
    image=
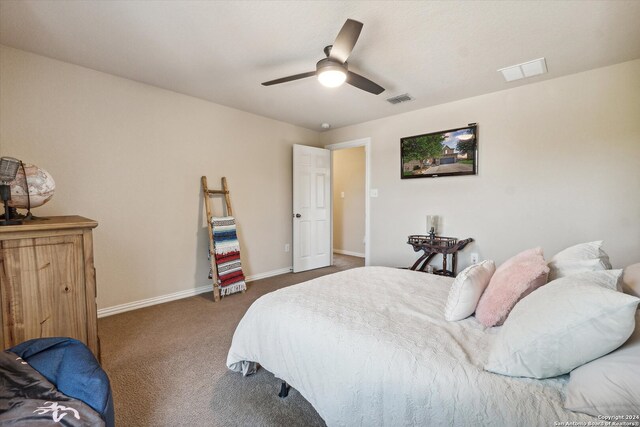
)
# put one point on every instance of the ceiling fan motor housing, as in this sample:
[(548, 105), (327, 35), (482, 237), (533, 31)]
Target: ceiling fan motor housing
[(328, 64)]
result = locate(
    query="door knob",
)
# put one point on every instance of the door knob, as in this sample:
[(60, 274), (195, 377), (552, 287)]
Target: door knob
[(298, 216)]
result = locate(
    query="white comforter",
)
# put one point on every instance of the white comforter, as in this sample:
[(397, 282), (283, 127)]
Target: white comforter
[(370, 347)]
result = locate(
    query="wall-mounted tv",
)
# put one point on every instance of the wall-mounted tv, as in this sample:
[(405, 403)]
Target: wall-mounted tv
[(445, 153)]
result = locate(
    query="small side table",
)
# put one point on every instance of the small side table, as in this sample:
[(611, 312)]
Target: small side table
[(431, 246)]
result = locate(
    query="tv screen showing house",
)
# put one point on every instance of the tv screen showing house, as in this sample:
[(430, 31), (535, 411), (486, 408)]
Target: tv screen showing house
[(445, 153)]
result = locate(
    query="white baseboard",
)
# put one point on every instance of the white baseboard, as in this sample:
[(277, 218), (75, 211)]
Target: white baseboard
[(268, 274), (341, 252), (134, 305)]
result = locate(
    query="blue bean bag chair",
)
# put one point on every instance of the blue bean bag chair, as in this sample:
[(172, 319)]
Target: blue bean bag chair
[(72, 368)]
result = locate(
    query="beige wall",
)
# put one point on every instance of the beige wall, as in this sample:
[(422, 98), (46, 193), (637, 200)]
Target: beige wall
[(131, 155), (348, 212), (559, 164)]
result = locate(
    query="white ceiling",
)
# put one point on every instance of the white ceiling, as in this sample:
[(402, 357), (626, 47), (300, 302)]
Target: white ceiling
[(221, 51)]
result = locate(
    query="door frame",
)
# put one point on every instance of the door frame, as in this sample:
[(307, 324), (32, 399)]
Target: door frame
[(366, 143)]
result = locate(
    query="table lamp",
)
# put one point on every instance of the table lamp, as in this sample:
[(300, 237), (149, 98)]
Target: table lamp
[(8, 170), (432, 225)]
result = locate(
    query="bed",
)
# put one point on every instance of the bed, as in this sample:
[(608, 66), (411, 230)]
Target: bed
[(370, 346)]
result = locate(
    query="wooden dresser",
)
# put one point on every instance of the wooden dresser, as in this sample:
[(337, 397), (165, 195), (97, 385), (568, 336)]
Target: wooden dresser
[(47, 281)]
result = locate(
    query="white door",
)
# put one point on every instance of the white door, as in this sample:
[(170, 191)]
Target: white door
[(311, 208)]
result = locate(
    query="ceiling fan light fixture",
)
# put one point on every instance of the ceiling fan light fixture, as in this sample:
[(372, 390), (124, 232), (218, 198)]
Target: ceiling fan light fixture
[(331, 73), (333, 77)]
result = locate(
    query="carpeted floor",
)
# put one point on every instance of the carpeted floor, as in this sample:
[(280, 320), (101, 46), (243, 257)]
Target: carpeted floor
[(167, 363)]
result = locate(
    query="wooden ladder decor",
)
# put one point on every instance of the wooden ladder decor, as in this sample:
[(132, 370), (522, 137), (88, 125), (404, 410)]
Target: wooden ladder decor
[(207, 202)]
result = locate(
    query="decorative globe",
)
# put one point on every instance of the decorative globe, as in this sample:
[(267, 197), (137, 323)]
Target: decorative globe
[(40, 187)]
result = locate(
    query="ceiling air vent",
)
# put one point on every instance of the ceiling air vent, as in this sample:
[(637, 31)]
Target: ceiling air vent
[(526, 69), (400, 98)]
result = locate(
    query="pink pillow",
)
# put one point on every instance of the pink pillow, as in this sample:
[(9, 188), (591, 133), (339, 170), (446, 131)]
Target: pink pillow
[(513, 280), (533, 254)]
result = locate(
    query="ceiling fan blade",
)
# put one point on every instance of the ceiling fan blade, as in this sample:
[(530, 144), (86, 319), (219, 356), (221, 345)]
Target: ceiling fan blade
[(289, 78), (363, 83), (346, 40)]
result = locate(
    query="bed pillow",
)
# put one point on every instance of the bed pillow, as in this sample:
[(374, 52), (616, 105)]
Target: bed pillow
[(610, 279), (511, 282), (561, 326), (608, 385), (631, 280), (532, 254), (467, 290), (558, 269), (589, 250), (576, 259)]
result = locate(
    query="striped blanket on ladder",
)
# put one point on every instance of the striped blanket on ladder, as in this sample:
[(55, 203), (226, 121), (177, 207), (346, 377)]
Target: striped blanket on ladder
[(227, 256)]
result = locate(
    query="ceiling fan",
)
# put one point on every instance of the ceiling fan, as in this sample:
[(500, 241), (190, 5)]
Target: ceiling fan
[(333, 70)]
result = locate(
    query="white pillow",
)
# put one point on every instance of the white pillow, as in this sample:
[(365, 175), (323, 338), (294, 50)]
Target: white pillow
[(561, 326), (609, 385), (611, 279), (576, 259), (588, 250), (631, 280), (467, 290), (558, 269)]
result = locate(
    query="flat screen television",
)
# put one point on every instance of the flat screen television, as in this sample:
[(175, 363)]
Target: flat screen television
[(446, 153)]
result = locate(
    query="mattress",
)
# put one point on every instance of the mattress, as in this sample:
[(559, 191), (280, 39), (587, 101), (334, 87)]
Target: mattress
[(370, 346)]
